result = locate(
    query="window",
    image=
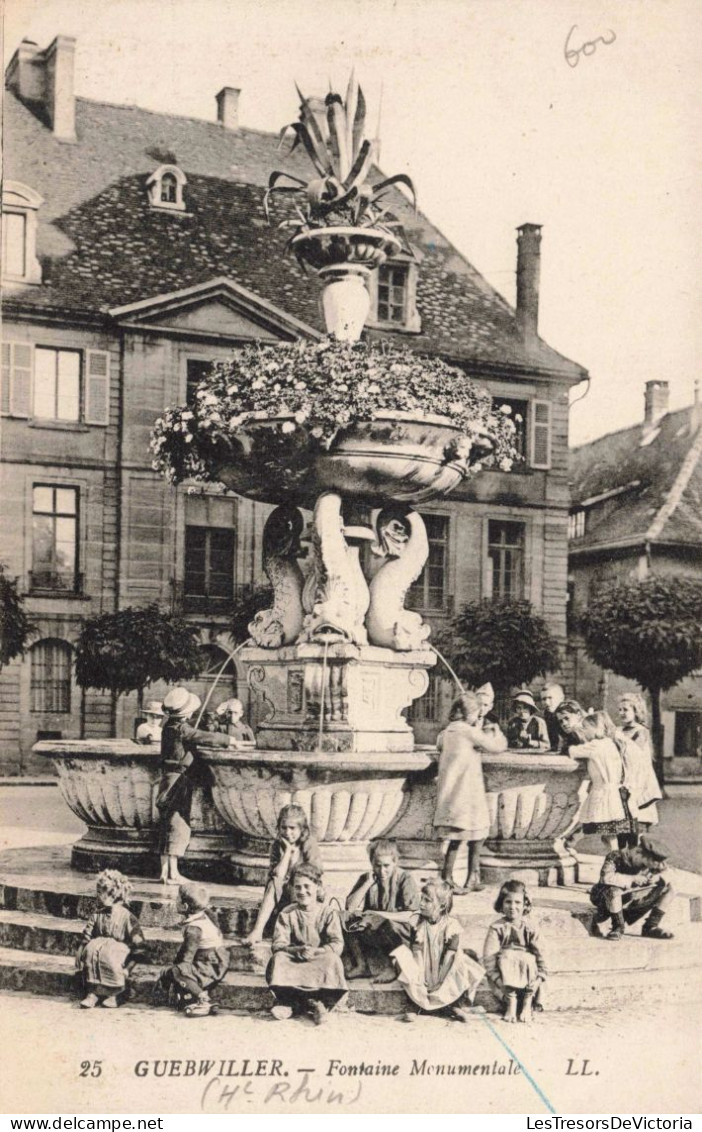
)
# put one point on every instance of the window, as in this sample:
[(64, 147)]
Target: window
[(576, 524), (165, 188), (392, 293), (57, 384), (169, 189), (50, 681), (54, 538), (688, 734), (506, 559), (14, 243), (197, 369), (428, 708), (518, 412), (430, 591), (209, 565), (20, 205)]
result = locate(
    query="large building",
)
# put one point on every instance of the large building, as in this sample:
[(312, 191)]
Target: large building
[(637, 509), (136, 251)]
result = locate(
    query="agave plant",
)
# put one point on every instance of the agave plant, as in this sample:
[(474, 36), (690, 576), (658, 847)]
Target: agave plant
[(343, 158)]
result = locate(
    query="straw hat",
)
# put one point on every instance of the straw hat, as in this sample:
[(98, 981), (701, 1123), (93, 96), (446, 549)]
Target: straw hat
[(524, 698), (181, 703), (153, 707)]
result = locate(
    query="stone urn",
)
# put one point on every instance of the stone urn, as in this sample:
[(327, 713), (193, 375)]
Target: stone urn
[(110, 784), (399, 456), (349, 798), (533, 801)]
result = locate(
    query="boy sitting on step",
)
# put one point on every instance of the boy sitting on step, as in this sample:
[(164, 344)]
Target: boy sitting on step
[(202, 961), (631, 885)]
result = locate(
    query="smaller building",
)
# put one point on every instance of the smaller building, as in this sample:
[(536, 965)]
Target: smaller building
[(637, 509)]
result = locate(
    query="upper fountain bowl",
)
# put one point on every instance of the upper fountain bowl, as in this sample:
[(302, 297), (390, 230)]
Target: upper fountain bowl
[(406, 457)]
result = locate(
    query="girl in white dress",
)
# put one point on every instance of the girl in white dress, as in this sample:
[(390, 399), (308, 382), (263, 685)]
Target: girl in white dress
[(461, 803), (645, 788), (434, 969)]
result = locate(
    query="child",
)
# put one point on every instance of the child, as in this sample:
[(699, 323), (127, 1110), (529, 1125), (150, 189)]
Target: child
[(230, 716), (512, 954), (603, 810), (461, 804), (179, 775), (377, 913), (488, 720), (305, 971), (642, 777), (570, 717), (150, 731), (202, 961), (626, 890), (526, 730), (435, 971), (111, 938), (293, 846)]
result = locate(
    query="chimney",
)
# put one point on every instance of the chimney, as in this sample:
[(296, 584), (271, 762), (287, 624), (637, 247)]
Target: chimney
[(25, 73), (528, 274), (45, 79), (228, 107), (655, 402)]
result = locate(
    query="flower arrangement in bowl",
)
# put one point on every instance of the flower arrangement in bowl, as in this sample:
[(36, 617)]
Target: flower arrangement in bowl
[(339, 200), (365, 419)]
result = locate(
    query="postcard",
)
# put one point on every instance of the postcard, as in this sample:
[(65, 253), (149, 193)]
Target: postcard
[(350, 671)]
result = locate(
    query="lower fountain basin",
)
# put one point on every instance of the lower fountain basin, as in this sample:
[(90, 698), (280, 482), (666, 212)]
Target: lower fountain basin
[(349, 798), (111, 785)]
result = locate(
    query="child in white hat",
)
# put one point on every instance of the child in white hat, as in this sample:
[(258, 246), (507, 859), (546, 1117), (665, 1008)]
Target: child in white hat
[(179, 755), (526, 730), (150, 731)]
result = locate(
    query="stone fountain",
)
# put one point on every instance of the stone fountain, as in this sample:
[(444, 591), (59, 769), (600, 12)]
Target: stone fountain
[(337, 659)]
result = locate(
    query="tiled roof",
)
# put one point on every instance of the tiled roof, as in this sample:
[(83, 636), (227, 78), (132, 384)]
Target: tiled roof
[(102, 246), (653, 491)]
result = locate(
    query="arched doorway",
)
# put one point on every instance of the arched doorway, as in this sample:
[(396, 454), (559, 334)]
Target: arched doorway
[(216, 661)]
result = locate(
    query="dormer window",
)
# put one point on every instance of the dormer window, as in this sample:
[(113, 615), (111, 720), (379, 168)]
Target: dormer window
[(576, 524), (393, 289), (165, 187), (20, 206)]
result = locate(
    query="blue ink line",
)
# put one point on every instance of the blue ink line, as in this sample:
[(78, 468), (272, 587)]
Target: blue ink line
[(526, 1073)]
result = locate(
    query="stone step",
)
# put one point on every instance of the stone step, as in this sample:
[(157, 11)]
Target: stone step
[(610, 987), (567, 946), (56, 935)]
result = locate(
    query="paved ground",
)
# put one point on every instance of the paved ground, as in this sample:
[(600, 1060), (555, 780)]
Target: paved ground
[(644, 1061)]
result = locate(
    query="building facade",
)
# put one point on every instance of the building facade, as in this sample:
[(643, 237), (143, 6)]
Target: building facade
[(135, 253), (637, 509)]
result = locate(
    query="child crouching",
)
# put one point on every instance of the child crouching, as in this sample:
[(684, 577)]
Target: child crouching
[(434, 969), (512, 955), (111, 942), (305, 972), (202, 961)]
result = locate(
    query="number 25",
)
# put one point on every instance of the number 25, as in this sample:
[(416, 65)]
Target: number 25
[(90, 1069)]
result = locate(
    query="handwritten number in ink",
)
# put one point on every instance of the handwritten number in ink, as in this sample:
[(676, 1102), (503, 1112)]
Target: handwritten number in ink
[(90, 1069), (589, 47)]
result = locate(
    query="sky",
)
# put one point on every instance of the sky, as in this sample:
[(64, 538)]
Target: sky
[(478, 102)]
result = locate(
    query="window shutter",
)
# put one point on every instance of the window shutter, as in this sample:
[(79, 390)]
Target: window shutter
[(541, 434), (6, 377), (97, 388), (17, 376)]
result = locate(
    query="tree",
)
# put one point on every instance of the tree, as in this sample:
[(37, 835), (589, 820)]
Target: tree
[(124, 651), (504, 642), (15, 625), (649, 631)]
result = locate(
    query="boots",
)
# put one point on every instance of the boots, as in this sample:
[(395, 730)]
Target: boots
[(651, 928), (618, 925)]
